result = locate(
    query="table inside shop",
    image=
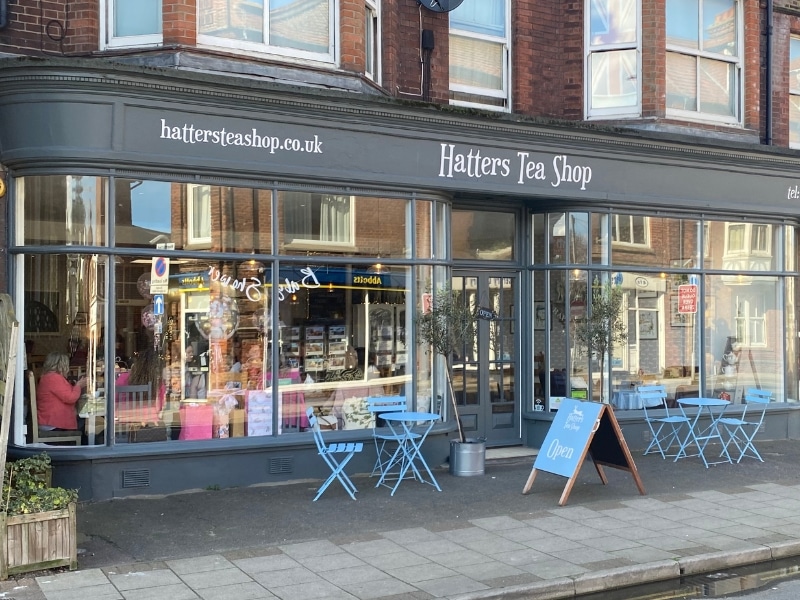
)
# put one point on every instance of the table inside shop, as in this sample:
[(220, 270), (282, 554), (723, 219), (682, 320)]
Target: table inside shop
[(412, 428), (92, 410), (701, 435), (631, 400)]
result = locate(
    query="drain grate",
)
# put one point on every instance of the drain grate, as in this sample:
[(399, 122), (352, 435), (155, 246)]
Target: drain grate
[(136, 478), (280, 465)]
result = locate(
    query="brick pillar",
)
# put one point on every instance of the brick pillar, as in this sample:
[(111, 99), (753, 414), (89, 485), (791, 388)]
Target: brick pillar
[(180, 22)]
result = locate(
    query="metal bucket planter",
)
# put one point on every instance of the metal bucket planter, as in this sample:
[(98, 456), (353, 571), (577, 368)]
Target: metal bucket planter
[(467, 458)]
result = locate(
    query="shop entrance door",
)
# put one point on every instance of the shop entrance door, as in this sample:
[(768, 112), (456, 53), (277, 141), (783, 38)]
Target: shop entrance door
[(484, 373)]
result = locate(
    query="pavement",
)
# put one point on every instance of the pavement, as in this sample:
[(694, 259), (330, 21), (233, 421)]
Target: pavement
[(478, 538)]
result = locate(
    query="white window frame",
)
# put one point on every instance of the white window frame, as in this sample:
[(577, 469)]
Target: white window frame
[(751, 321), (645, 224), (107, 39), (751, 234), (794, 90), (592, 50), (372, 52), (262, 48), (192, 241), (699, 53), (503, 94), (300, 243)]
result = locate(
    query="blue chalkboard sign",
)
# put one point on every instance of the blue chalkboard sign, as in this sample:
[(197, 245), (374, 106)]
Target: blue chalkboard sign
[(581, 428), (564, 447)]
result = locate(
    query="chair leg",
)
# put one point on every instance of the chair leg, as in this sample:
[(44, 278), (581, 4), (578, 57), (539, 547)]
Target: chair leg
[(337, 472)]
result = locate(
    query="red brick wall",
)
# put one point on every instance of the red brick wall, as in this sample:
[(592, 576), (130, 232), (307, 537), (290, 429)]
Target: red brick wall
[(785, 25), (180, 22)]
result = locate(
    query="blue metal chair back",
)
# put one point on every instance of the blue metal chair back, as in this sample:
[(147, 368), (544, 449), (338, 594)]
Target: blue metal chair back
[(329, 454), (741, 431), (665, 430)]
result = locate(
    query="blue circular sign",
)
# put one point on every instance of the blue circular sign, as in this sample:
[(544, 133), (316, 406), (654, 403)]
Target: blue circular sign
[(160, 267)]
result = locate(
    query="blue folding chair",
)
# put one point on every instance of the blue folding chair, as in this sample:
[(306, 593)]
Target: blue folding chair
[(741, 431), (385, 441), (328, 453), (665, 430)]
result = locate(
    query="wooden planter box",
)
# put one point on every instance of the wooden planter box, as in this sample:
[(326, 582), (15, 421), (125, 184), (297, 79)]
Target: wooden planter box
[(38, 541)]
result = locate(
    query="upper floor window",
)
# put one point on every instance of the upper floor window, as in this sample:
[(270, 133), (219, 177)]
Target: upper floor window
[(133, 23), (372, 40), (612, 57), (479, 51), (703, 59), (794, 92), (297, 28)]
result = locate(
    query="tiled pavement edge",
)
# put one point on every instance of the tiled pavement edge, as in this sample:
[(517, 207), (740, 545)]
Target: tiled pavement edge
[(547, 555)]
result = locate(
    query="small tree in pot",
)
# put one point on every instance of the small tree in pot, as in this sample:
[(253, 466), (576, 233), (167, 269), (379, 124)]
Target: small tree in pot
[(603, 327), (448, 326)]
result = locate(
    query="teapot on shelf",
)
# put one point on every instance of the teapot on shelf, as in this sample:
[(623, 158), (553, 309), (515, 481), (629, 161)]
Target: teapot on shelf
[(730, 358)]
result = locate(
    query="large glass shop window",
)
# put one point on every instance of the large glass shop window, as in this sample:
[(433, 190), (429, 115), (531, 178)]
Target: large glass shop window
[(701, 305), (205, 347)]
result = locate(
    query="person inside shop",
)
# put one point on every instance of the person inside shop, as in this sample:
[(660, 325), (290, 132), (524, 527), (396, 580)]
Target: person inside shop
[(147, 369), (57, 397), (195, 379)]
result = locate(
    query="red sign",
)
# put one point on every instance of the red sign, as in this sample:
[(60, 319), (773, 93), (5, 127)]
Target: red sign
[(687, 299)]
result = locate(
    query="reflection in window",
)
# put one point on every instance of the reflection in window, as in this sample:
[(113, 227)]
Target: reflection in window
[(483, 235), (372, 33), (794, 92), (199, 216), (703, 62), (612, 57), (318, 218), (630, 229)]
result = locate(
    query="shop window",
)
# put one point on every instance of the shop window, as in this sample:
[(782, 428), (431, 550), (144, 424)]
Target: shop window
[(372, 40), (483, 235), (703, 59), (199, 216), (750, 239), (612, 51), (630, 229), (479, 55), (133, 23), (301, 29), (63, 209), (318, 219), (794, 92)]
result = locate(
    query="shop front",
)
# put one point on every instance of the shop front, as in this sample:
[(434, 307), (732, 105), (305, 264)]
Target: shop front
[(245, 256)]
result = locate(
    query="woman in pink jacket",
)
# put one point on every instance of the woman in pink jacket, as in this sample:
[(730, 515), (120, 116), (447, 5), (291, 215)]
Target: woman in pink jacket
[(56, 397)]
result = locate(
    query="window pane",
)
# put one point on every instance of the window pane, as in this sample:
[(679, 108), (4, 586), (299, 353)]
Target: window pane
[(62, 209), (612, 21), (717, 87), (352, 225), (483, 235), (719, 27), (794, 119), (579, 238), (741, 246), (300, 24), (62, 306), (681, 81), (487, 17), (683, 23), (614, 79), (476, 63), (137, 17), (236, 19), (219, 218), (794, 65), (744, 319)]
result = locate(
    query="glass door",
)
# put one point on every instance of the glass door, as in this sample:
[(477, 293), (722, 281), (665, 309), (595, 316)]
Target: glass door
[(484, 373)]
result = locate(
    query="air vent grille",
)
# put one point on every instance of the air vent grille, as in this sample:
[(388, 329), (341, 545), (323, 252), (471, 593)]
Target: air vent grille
[(280, 465), (136, 478)]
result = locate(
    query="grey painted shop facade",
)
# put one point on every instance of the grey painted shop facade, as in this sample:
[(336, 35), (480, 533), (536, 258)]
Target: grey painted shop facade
[(72, 117)]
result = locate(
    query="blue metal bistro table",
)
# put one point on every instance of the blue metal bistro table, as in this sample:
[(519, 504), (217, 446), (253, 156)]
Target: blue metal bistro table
[(409, 448), (700, 437)]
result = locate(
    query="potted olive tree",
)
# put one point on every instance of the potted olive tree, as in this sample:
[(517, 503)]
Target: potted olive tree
[(602, 329), (448, 326)]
